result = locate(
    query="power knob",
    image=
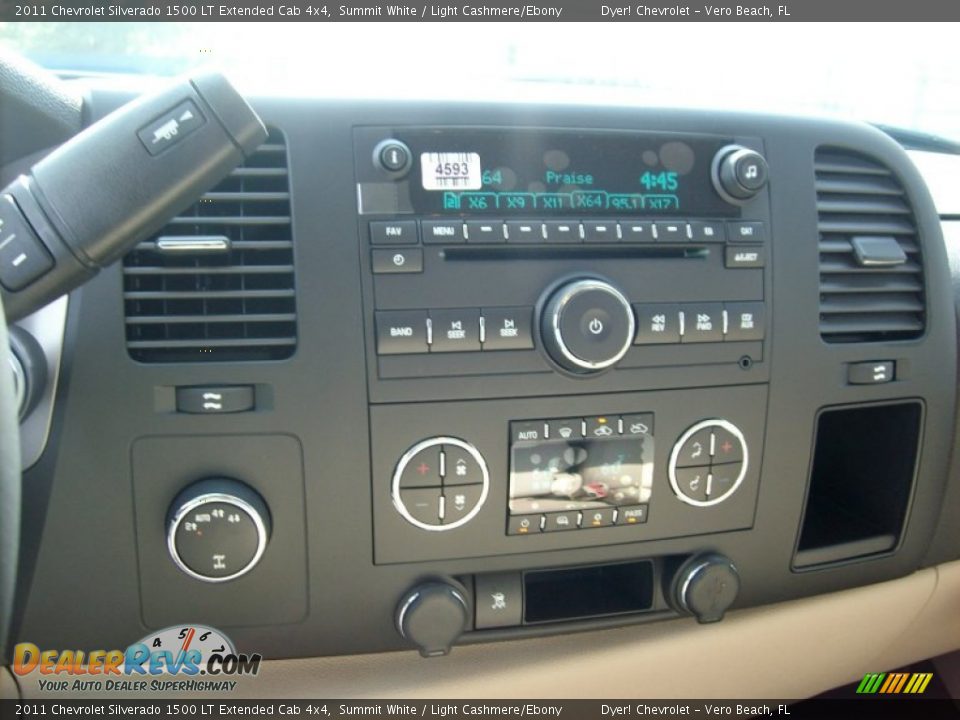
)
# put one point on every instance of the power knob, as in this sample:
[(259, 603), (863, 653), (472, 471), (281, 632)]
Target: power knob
[(217, 529), (738, 173), (705, 586), (587, 325)]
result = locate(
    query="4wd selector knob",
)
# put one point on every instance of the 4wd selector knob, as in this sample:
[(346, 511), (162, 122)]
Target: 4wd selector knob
[(587, 325), (217, 529), (738, 173)]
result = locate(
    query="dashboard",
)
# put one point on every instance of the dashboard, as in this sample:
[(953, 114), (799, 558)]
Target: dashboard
[(426, 374)]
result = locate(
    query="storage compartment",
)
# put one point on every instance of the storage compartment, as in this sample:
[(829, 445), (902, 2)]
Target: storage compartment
[(861, 480), (594, 591)]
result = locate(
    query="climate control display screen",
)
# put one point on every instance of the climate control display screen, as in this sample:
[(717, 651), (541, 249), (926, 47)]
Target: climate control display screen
[(576, 473)]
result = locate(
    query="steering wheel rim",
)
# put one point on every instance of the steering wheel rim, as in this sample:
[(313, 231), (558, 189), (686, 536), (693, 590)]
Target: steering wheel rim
[(9, 493)]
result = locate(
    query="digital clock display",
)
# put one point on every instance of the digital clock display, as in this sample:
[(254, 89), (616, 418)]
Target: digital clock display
[(503, 172)]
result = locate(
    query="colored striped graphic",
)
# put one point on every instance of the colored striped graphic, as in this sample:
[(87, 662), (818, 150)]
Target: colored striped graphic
[(894, 683)]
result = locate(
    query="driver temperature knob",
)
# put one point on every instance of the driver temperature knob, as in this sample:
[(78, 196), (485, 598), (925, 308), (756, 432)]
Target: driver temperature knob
[(217, 529), (587, 325)]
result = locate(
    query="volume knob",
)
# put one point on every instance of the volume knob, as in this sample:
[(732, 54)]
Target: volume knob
[(587, 325)]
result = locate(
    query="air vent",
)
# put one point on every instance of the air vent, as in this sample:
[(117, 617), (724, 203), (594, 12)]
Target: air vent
[(217, 283), (871, 269)]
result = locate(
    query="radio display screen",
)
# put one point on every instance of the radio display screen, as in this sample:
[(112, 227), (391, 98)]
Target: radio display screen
[(581, 473), (559, 172)]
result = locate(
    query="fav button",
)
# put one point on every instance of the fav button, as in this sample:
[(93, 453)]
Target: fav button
[(396, 232)]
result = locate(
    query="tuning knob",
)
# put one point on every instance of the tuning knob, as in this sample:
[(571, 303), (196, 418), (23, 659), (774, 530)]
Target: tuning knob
[(705, 586), (587, 325), (217, 529), (738, 173), (432, 616)]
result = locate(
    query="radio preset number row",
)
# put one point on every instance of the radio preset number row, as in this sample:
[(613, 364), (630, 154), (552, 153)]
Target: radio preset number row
[(451, 232)]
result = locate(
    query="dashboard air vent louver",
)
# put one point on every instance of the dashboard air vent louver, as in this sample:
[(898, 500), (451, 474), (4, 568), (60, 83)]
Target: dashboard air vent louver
[(871, 269), (217, 283)]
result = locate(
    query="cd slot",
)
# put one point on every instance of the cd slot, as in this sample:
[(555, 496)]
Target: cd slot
[(459, 254)]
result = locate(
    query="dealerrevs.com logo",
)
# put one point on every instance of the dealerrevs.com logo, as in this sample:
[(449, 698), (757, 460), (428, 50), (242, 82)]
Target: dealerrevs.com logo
[(179, 658)]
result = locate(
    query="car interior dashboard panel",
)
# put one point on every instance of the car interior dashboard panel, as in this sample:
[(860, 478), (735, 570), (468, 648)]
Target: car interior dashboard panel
[(420, 374)]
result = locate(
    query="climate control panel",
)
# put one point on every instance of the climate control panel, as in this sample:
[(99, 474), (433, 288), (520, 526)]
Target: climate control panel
[(639, 467)]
